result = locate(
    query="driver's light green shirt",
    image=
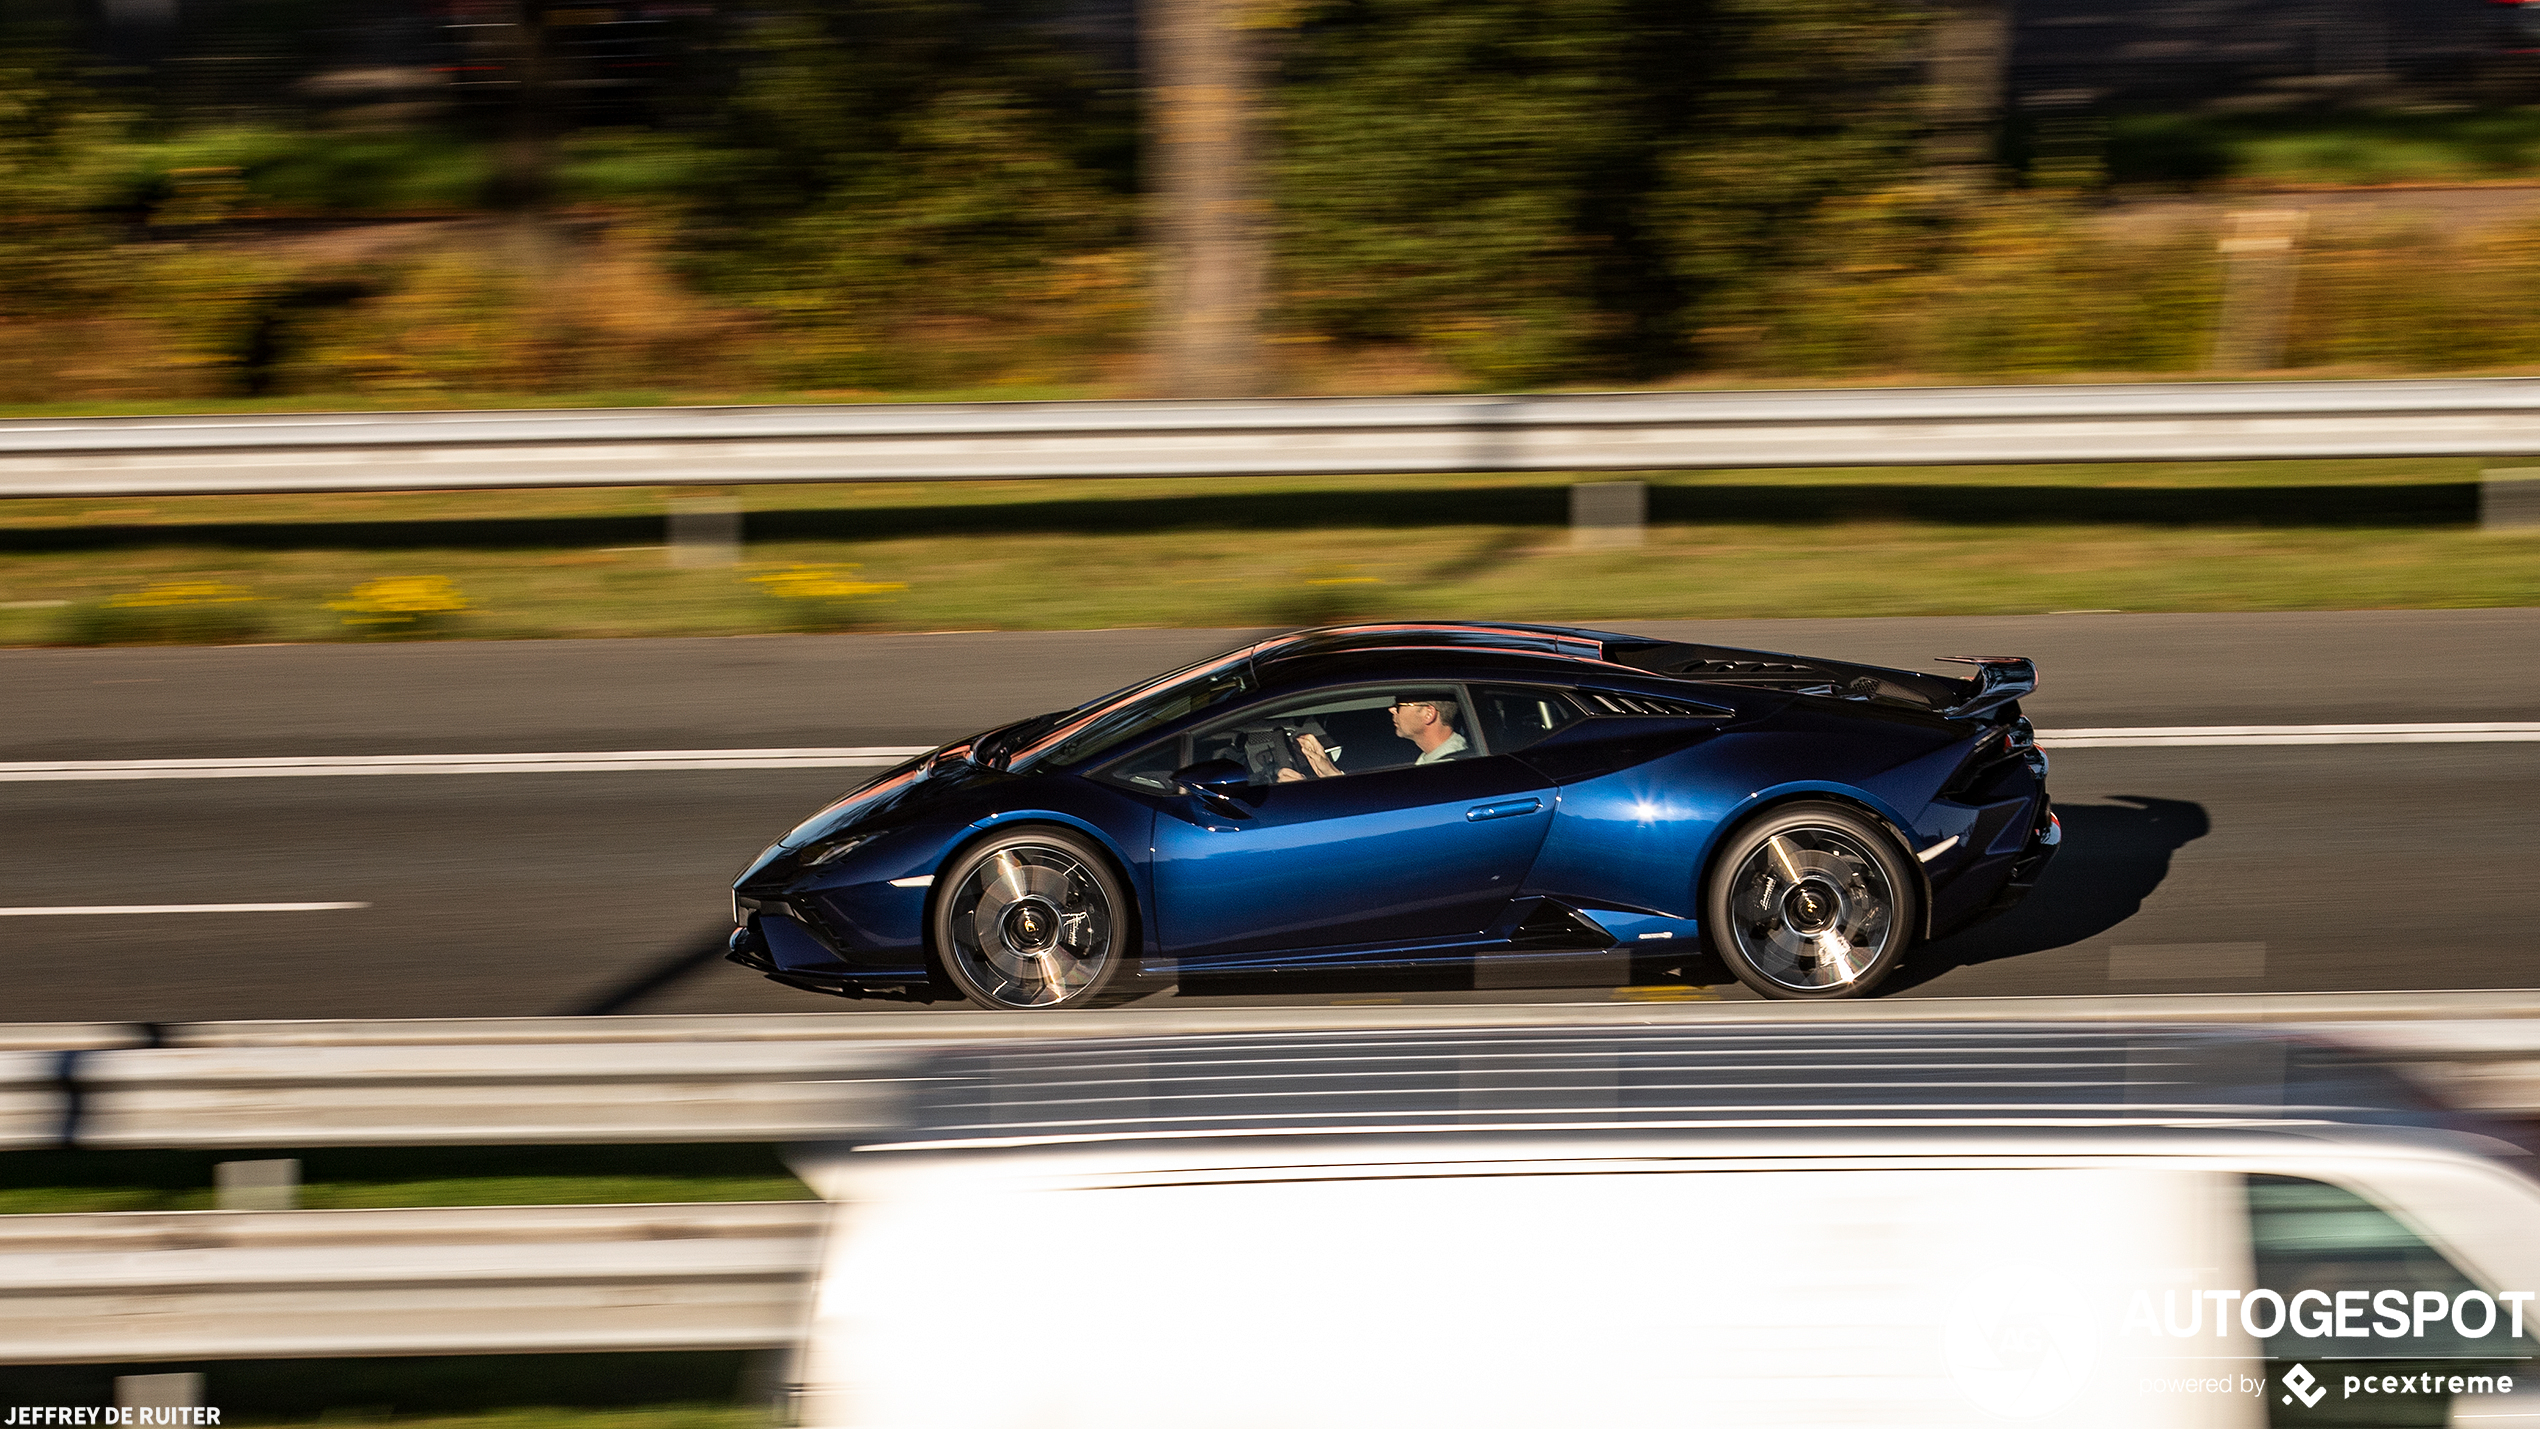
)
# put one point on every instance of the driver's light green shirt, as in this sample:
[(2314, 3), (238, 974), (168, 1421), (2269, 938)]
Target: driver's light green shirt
[(1454, 746)]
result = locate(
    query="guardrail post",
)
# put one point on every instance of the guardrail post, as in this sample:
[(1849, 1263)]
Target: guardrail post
[(2509, 498), (158, 1391), (1608, 515), (768, 1379), (2257, 305), (257, 1185), (705, 531)]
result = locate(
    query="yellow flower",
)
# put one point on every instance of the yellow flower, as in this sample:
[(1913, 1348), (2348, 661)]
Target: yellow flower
[(170, 593), (399, 599), (822, 583)]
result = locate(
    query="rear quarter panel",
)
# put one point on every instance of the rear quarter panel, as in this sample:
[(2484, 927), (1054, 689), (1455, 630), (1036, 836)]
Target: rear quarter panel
[(1639, 837)]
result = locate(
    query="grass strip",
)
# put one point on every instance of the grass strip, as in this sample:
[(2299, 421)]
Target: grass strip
[(354, 1178), (2310, 148), (1227, 552)]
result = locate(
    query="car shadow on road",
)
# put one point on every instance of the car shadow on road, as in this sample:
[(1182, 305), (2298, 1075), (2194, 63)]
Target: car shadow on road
[(628, 993), (2114, 855)]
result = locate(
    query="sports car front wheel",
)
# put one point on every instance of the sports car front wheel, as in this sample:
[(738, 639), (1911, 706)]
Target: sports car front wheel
[(1033, 920), (1810, 901)]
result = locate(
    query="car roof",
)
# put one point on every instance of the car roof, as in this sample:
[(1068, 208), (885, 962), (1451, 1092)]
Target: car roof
[(1305, 655), (1805, 1078), (1462, 637)]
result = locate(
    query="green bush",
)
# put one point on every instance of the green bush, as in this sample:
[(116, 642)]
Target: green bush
[(168, 613), (2015, 285)]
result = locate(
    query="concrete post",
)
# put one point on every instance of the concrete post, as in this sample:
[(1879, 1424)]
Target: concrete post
[(2259, 259), (2509, 498), (705, 531), (257, 1185), (1608, 515), (770, 1379), (160, 1391)]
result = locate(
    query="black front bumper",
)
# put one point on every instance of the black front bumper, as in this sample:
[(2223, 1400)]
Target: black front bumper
[(749, 948)]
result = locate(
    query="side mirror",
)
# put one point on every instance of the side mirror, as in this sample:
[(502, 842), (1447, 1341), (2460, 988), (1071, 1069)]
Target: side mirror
[(1215, 778)]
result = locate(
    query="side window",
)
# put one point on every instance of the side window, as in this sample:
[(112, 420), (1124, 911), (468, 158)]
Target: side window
[(1333, 733), (2323, 1252), (1514, 716), (1149, 770)]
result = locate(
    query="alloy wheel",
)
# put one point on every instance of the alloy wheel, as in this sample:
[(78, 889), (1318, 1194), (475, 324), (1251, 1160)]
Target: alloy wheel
[(1812, 910), (1031, 926)]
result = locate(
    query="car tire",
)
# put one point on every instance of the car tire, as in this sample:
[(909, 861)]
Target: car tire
[(1810, 901), (1032, 921)]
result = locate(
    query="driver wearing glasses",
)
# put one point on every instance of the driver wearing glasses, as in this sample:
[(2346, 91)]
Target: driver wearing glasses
[(1427, 723)]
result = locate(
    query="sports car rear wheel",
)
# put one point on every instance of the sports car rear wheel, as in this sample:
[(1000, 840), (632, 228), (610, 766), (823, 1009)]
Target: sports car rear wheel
[(1810, 901), (1033, 920)]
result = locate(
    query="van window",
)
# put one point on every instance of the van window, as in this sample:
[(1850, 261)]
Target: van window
[(2309, 1236)]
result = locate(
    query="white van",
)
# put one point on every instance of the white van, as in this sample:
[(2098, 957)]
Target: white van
[(1815, 1224)]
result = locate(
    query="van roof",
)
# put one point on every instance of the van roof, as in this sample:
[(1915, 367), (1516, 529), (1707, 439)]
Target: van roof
[(1797, 1077)]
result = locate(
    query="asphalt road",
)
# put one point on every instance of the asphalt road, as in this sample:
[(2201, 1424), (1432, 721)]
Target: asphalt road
[(2187, 869)]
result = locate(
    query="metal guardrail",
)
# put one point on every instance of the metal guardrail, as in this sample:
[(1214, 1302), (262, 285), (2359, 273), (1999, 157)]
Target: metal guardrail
[(951, 441), (178, 1285), (814, 1076), (503, 1093)]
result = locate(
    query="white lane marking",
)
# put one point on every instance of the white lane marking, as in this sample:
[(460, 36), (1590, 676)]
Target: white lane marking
[(121, 908), (569, 762), (2162, 737)]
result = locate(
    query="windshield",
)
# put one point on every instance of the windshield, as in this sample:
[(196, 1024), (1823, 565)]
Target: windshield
[(1098, 728)]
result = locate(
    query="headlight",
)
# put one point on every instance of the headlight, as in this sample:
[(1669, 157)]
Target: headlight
[(818, 854), (742, 908)]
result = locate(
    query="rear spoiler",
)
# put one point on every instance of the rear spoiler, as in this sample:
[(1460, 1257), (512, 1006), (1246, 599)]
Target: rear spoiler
[(2000, 679)]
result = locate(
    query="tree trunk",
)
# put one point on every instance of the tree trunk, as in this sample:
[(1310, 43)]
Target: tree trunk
[(1205, 215), (1968, 84)]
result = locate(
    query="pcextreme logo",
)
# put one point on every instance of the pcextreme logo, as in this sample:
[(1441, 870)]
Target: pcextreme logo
[(2311, 1389)]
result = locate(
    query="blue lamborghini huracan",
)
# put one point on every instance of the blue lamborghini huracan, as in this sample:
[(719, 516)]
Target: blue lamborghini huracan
[(1423, 794)]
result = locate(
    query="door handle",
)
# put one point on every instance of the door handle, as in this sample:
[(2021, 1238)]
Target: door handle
[(1504, 809)]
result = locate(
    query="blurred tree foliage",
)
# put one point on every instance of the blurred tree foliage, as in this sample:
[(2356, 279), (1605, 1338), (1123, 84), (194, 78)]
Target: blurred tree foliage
[(909, 185), (1565, 189), (61, 153), (931, 194), (62, 274)]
